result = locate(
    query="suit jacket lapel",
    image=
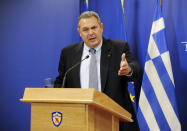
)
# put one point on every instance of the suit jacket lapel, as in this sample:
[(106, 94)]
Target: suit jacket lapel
[(106, 50), (76, 59)]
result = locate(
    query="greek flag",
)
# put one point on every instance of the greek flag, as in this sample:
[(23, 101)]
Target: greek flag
[(157, 107)]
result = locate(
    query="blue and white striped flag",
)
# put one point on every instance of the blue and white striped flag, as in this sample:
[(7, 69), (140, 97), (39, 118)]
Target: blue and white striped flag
[(157, 107)]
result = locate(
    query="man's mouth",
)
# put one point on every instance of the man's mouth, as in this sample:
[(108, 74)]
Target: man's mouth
[(92, 39)]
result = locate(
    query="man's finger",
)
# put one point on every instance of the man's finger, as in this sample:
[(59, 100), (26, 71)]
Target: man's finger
[(124, 68)]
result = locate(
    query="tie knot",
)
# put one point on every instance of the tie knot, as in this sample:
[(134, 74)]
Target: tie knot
[(92, 50)]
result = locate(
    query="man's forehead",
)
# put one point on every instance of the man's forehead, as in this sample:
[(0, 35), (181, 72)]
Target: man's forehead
[(89, 25), (89, 18), (88, 21)]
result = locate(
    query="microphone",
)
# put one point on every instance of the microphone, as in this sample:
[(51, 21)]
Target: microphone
[(71, 68)]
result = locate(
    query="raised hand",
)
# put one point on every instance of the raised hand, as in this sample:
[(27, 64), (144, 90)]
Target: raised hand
[(125, 69)]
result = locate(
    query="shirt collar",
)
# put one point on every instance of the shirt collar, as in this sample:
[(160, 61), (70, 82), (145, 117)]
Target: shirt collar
[(97, 48)]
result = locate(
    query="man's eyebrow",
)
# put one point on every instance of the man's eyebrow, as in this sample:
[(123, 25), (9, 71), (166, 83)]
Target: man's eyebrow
[(84, 27), (94, 26)]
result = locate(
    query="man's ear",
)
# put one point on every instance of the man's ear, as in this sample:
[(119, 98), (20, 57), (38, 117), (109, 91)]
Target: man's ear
[(101, 25)]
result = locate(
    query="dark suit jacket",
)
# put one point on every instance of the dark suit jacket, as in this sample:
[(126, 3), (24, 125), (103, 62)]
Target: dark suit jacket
[(112, 85)]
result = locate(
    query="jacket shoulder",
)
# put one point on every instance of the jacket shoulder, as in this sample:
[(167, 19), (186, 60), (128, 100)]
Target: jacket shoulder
[(72, 47), (116, 43)]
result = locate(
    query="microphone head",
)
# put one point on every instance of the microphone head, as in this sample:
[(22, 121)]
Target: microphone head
[(87, 57)]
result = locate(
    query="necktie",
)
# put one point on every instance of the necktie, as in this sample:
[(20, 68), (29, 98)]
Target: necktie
[(93, 77)]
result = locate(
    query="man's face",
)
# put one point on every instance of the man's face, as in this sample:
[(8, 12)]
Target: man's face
[(90, 31)]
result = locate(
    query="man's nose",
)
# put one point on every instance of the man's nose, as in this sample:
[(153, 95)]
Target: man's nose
[(90, 32)]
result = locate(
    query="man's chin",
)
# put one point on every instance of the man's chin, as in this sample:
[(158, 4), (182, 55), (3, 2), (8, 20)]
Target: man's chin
[(93, 45), (92, 42)]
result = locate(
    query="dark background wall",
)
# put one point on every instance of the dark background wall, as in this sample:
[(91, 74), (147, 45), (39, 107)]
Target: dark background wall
[(32, 34)]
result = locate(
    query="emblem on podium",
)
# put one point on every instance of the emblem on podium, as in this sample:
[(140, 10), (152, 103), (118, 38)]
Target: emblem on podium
[(56, 118)]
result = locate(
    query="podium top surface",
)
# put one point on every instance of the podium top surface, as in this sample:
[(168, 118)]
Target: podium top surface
[(75, 96)]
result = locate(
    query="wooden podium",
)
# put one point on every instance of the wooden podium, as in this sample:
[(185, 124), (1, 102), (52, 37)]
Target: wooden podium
[(73, 109)]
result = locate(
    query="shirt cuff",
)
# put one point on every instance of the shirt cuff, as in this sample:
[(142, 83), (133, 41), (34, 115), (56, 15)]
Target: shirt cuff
[(130, 74)]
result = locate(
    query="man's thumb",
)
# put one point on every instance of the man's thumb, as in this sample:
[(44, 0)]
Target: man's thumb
[(123, 57)]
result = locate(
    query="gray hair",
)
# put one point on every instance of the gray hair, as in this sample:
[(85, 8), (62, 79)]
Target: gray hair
[(88, 14)]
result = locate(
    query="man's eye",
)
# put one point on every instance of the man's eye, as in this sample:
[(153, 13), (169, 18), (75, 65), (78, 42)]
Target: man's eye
[(94, 27)]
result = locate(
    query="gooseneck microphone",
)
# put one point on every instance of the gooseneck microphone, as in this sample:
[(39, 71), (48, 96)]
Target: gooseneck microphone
[(71, 68)]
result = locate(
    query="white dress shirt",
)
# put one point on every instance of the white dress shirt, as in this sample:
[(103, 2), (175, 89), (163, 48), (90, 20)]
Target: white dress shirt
[(84, 67)]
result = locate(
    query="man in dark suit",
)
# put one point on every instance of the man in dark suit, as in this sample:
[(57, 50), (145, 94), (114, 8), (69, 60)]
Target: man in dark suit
[(115, 64)]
